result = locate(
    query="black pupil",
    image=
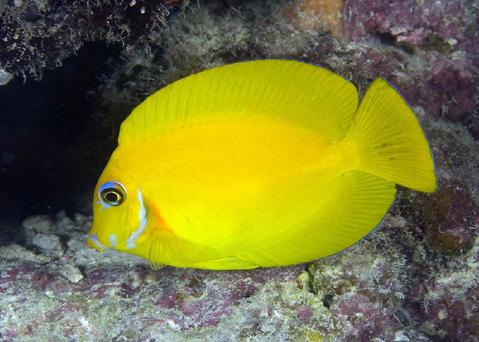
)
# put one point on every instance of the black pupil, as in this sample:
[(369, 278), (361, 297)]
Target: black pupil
[(112, 196)]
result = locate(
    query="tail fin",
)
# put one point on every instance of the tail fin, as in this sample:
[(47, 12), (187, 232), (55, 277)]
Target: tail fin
[(390, 141)]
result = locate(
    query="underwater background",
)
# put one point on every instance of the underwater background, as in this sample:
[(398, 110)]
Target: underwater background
[(71, 71)]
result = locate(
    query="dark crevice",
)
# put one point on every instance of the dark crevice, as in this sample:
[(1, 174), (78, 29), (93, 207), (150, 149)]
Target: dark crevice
[(328, 300), (44, 161), (310, 269), (388, 39)]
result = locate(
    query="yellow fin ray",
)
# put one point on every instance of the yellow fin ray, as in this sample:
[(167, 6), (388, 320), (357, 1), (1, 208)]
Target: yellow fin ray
[(268, 89), (356, 204), (390, 141), (164, 248)]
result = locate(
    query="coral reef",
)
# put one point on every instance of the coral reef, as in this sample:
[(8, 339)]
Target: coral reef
[(413, 279), (439, 57), (39, 34)]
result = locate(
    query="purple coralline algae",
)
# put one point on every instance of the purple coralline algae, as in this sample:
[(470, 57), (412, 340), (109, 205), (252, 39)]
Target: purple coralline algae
[(414, 279), (441, 44)]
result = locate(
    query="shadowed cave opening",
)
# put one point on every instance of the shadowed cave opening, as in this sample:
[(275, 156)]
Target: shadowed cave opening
[(49, 156)]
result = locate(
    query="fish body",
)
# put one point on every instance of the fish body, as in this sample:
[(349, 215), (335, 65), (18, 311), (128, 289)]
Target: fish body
[(257, 164)]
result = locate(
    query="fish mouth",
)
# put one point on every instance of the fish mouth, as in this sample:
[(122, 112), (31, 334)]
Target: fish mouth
[(93, 242)]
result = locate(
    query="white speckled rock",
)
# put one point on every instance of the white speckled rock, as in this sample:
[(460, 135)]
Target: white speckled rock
[(39, 223), (5, 76), (17, 252), (49, 243), (71, 272)]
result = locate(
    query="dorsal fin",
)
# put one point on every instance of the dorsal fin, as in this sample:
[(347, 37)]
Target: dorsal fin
[(266, 89)]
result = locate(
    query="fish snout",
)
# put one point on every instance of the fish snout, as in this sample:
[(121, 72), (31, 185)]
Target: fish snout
[(93, 242)]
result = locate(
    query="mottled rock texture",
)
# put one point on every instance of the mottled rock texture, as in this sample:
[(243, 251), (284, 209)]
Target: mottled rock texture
[(438, 65), (413, 279), (39, 34)]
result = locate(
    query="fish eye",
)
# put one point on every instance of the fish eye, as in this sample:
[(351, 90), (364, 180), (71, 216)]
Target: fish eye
[(112, 193)]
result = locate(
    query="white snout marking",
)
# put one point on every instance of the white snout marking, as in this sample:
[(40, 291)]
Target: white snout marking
[(94, 238), (113, 240)]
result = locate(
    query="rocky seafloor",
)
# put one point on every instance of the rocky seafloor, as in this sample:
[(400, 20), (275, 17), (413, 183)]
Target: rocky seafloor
[(415, 279)]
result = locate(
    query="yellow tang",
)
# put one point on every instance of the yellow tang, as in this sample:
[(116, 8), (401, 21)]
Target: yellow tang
[(257, 164)]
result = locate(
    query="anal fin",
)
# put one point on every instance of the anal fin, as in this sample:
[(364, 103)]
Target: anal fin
[(356, 205)]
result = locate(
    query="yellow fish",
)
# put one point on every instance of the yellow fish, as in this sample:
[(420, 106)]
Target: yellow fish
[(257, 164)]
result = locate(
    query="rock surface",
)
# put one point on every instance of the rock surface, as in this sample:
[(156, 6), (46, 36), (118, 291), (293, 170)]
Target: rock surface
[(414, 279), (39, 34)]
